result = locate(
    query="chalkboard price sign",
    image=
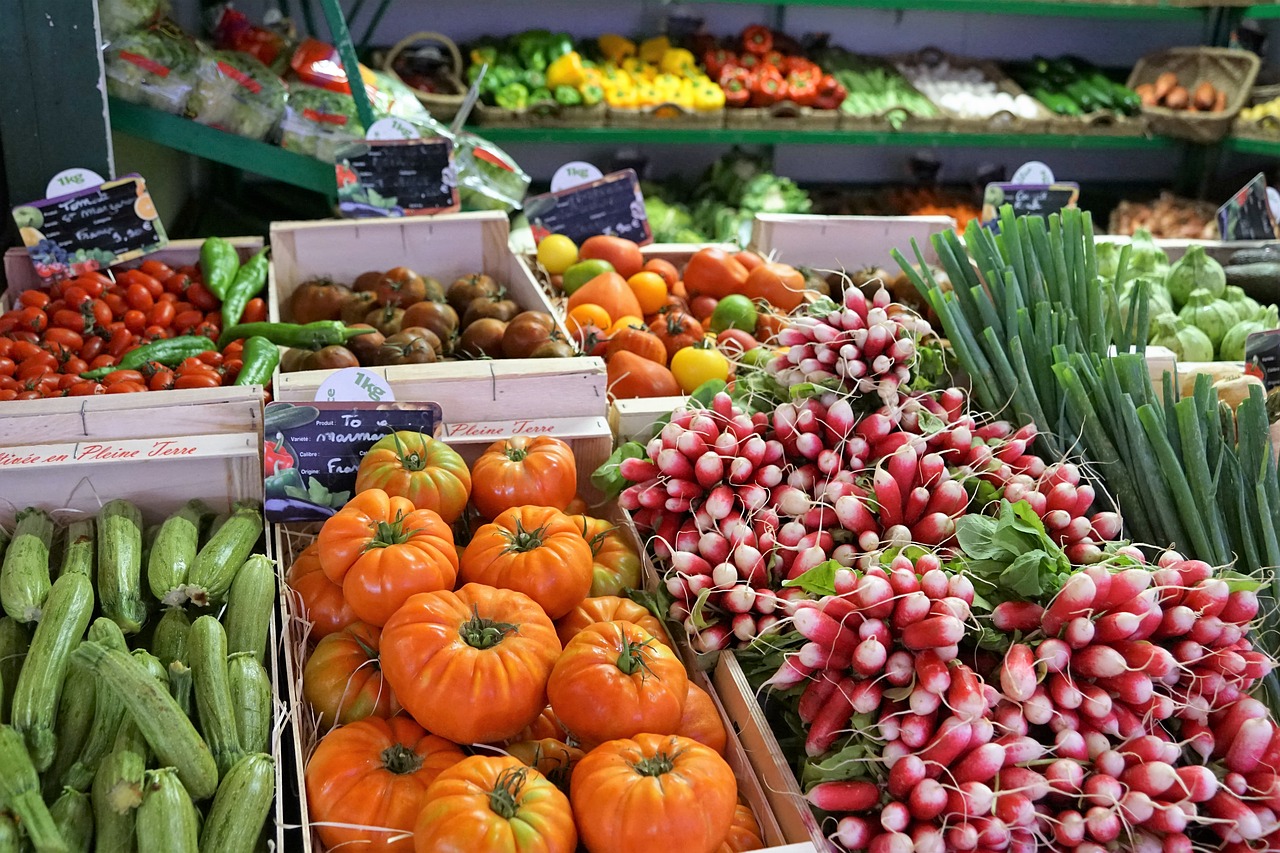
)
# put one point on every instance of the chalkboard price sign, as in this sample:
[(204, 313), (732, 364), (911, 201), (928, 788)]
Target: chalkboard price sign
[(1028, 199), (312, 451), (397, 177), (612, 205), (1247, 214), (90, 229)]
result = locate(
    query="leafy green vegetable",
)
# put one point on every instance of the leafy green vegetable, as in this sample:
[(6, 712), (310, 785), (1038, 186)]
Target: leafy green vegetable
[(155, 68), (118, 17), (608, 478), (236, 92), (1012, 555), (819, 581), (318, 122)]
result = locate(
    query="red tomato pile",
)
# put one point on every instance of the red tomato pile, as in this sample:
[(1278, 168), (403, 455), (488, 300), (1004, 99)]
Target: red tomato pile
[(52, 336)]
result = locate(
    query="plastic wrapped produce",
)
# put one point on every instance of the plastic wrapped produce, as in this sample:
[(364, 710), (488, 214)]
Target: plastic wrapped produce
[(156, 68), (318, 122), (119, 17), (237, 93)]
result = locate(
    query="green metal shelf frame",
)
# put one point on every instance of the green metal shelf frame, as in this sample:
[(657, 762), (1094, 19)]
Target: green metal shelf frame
[(745, 136), (1039, 8), (1268, 11), (261, 158), (1254, 146)]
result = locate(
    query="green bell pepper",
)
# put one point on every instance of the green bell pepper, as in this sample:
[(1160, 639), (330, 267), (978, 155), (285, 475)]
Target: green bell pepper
[(567, 96), (513, 96), (533, 79), (592, 94), (557, 45), (541, 94), (531, 47)]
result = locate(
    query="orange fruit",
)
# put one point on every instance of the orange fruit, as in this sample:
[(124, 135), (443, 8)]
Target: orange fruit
[(625, 322), (650, 289), (588, 314)]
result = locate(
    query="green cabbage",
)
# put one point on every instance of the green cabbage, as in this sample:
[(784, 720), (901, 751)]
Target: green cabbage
[(118, 17), (1195, 270), (156, 68), (236, 92), (318, 122)]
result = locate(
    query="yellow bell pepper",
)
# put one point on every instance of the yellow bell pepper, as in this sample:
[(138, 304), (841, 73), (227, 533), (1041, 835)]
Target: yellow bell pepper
[(592, 77), (684, 95), (615, 47), (708, 97), (667, 85), (647, 95), (566, 71), (651, 50), (678, 61), (633, 66), (620, 98)]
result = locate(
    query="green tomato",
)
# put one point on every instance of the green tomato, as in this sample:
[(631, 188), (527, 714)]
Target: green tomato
[(757, 357), (734, 311), (582, 272), (695, 365)]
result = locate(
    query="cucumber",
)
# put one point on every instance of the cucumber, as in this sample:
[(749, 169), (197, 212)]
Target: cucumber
[(78, 548), (173, 553), (241, 806), (24, 575), (72, 813), (250, 701), (1269, 253), (167, 730), (249, 606), (20, 791), (108, 713), (10, 840), (167, 817), (76, 712), (207, 646), (14, 641), (120, 565), (117, 792), (169, 642), (222, 556), (39, 688)]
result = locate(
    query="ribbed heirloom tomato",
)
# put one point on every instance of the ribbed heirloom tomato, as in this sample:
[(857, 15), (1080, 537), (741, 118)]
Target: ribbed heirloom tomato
[(382, 551), (522, 470), (471, 665), (343, 679), (322, 602), (609, 608), (701, 720), (494, 805), (536, 550), (551, 757), (744, 832), (615, 564), (374, 774), (615, 680), (653, 792), (418, 467)]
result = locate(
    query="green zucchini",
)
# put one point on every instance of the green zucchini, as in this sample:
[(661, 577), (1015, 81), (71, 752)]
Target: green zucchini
[(207, 647), (39, 688), (251, 701), (173, 553), (120, 565), (1269, 253), (167, 818), (180, 685), (214, 525), (76, 713), (20, 791), (241, 806), (158, 671), (24, 575), (249, 606), (14, 642), (169, 642), (78, 548), (108, 712), (166, 728), (222, 556), (117, 792), (10, 840), (72, 813), (1260, 278)]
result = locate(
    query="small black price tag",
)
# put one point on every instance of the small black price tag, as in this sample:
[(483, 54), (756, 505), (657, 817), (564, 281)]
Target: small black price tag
[(396, 177), (1247, 214), (90, 229), (312, 451), (1028, 199), (613, 206), (1262, 356)]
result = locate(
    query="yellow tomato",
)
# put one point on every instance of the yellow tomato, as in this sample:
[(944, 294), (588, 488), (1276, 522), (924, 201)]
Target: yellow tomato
[(650, 290), (694, 365), (625, 322), (557, 253)]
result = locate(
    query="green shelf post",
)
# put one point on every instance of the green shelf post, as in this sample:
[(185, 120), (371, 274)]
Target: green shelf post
[(347, 52)]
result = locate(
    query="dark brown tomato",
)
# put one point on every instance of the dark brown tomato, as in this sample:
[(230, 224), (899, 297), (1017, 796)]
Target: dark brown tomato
[(318, 299), (365, 347), (406, 348), (293, 360), (526, 333), (330, 358), (428, 335), (500, 309), (434, 287), (483, 339), (357, 307), (553, 349), (439, 317), (402, 287), (367, 282), (386, 319), (468, 288)]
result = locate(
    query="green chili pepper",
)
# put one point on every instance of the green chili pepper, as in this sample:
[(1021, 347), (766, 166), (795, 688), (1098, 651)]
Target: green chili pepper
[(219, 263), (312, 336), (170, 351), (250, 280), (260, 359)]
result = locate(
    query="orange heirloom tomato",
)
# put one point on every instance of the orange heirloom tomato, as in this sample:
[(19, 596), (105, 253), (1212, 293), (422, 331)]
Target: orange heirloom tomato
[(521, 470), (616, 680), (494, 805), (616, 565), (701, 720), (545, 726), (653, 792), (320, 599), (714, 272), (610, 608), (553, 758), (418, 467), (744, 832), (471, 665), (536, 550), (374, 773), (343, 681), (382, 551), (779, 285)]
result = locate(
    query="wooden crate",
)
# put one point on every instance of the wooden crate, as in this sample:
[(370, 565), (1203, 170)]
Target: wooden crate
[(833, 243), (78, 453), (291, 539)]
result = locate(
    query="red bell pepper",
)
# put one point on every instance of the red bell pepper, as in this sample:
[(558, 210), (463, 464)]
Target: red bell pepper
[(757, 39), (737, 89), (831, 94), (794, 64), (775, 59), (802, 88), (749, 61), (717, 60), (769, 87), (276, 457)]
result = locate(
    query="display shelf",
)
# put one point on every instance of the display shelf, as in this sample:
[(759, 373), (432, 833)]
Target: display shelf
[(740, 136), (1265, 11), (1266, 147), (1126, 11), (261, 158)]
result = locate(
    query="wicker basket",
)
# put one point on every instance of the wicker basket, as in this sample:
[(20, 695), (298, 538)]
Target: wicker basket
[(541, 114), (1232, 71), (1001, 121), (666, 116), (1100, 123), (443, 107)]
